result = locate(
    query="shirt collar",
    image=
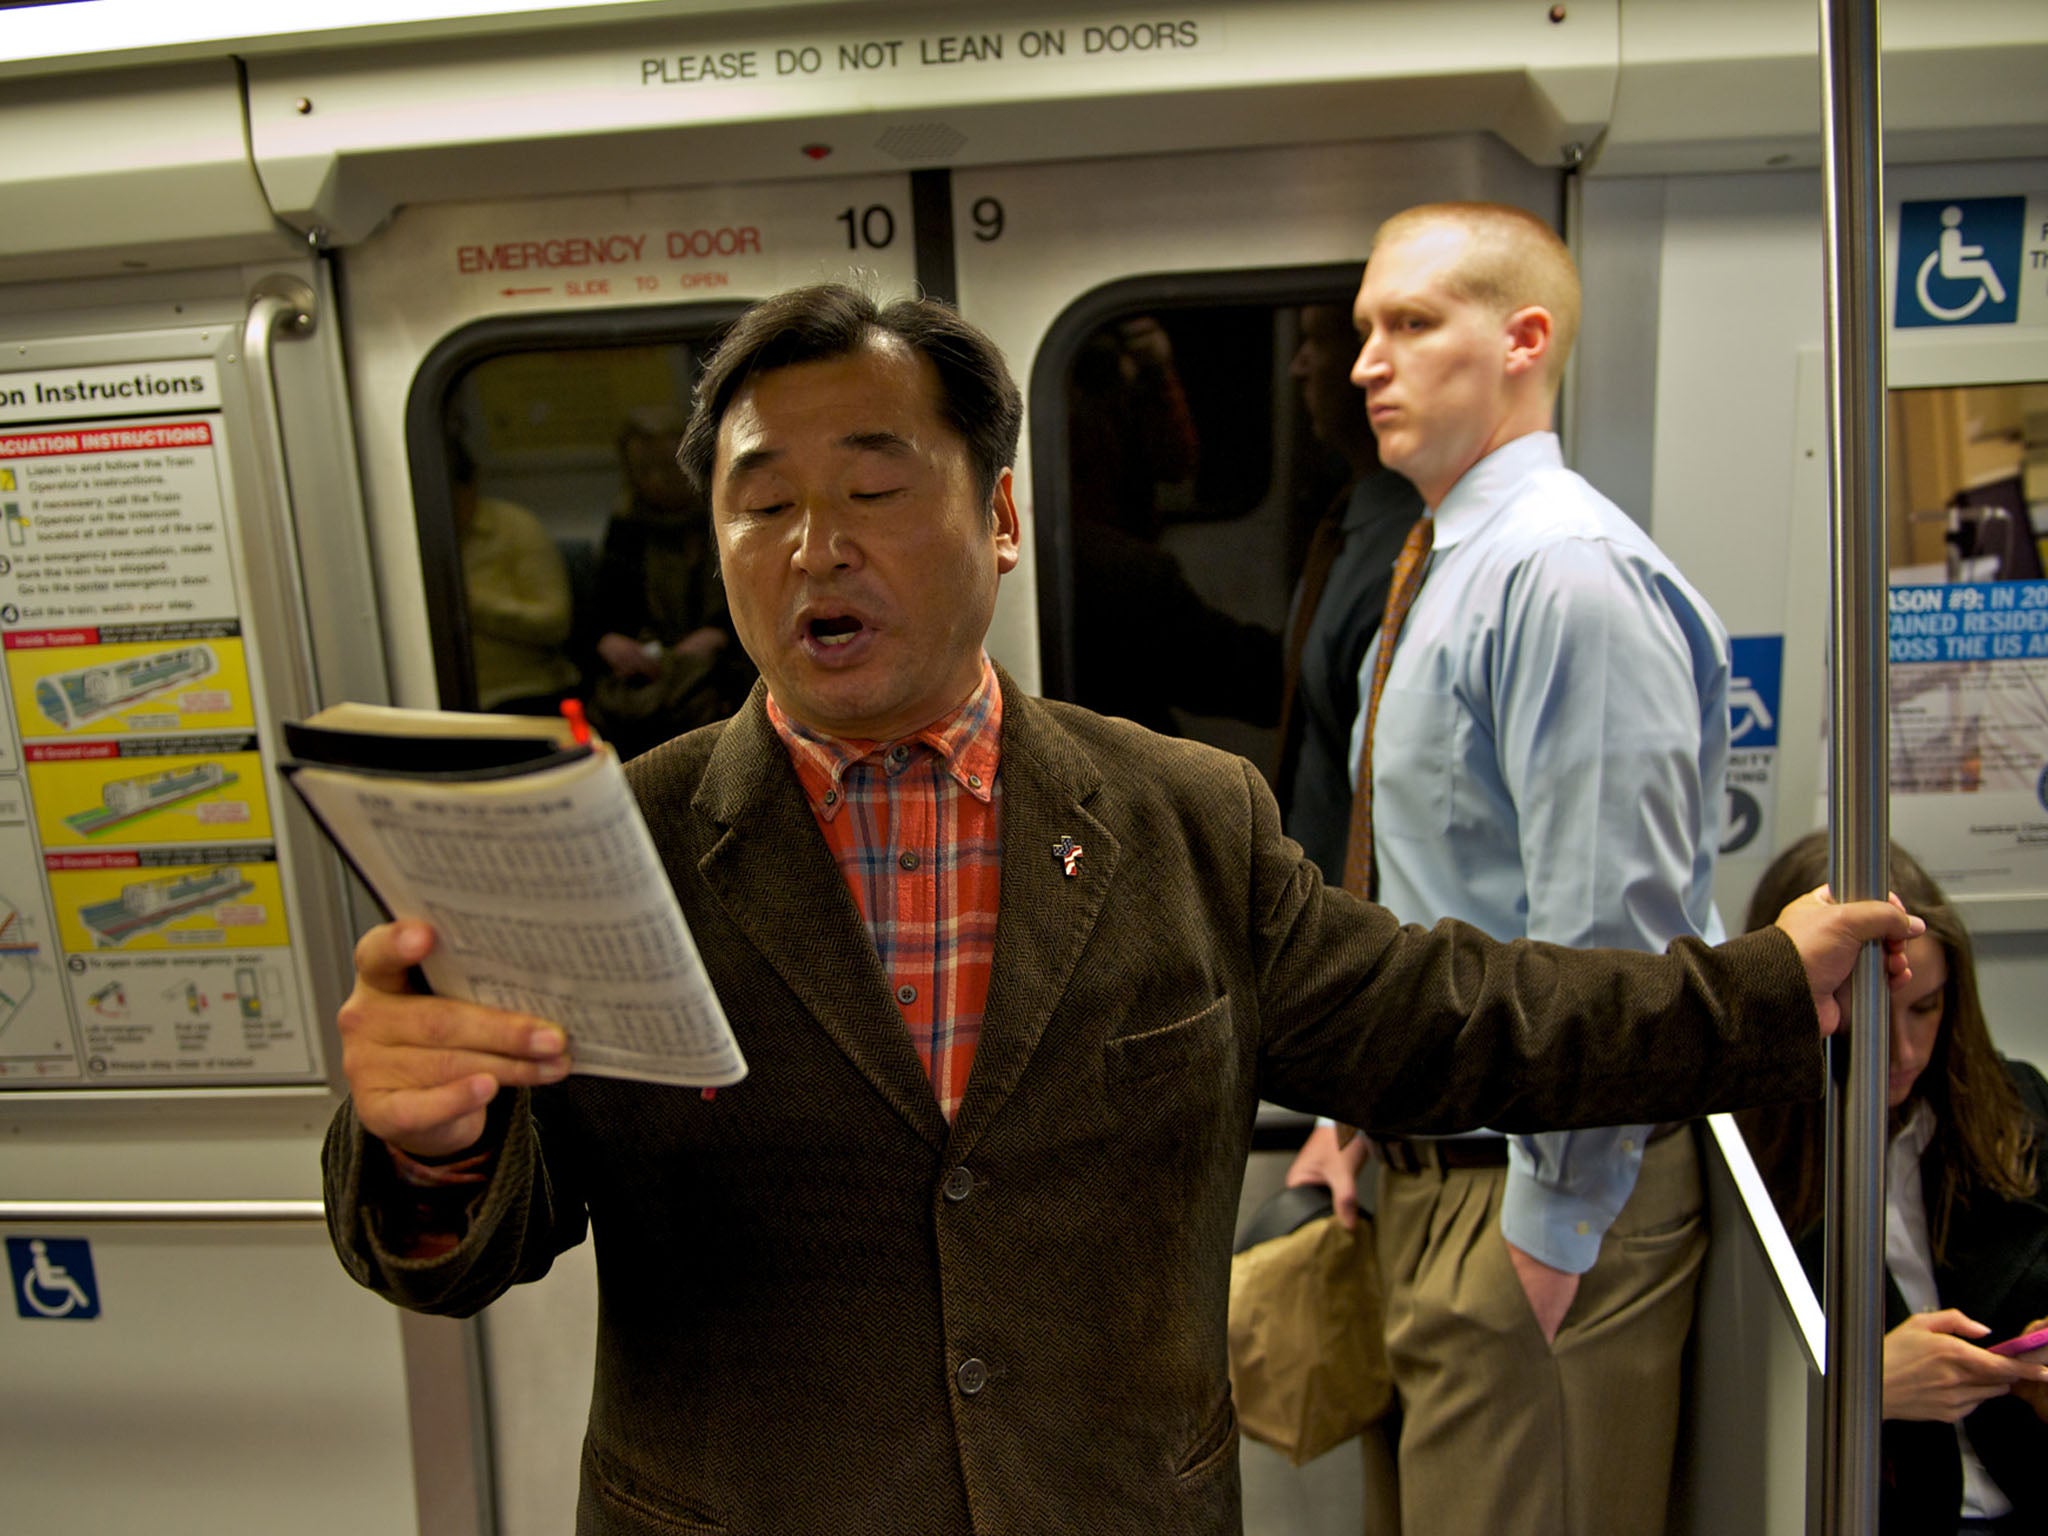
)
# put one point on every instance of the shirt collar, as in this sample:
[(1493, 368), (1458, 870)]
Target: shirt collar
[(967, 738), (1484, 488), (1917, 1131)]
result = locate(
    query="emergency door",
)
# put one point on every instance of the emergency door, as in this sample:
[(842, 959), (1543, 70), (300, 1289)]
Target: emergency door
[(525, 343)]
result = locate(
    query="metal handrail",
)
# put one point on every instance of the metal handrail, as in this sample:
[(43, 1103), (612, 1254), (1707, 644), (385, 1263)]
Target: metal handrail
[(1859, 741), (280, 302), (50, 1212)]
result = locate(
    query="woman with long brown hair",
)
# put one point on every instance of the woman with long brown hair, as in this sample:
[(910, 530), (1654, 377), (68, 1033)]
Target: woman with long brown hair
[(1966, 1228)]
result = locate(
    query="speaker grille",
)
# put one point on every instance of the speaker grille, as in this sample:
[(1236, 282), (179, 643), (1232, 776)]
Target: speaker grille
[(921, 141)]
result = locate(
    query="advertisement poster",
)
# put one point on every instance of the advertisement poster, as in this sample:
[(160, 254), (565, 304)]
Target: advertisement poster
[(1969, 727), (145, 934), (1968, 630)]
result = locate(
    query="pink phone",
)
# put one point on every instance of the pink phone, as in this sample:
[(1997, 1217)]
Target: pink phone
[(2022, 1344)]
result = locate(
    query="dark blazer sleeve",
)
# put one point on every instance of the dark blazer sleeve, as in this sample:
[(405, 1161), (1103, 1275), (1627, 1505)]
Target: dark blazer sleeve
[(517, 1223), (1404, 1030)]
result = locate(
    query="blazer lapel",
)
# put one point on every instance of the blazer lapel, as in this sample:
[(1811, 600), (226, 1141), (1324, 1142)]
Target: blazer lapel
[(778, 882), (1047, 916)]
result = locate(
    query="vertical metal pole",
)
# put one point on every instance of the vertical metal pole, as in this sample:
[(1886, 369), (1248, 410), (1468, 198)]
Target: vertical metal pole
[(1858, 771)]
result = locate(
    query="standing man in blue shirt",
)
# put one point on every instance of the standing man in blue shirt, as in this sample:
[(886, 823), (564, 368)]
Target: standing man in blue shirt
[(1543, 756)]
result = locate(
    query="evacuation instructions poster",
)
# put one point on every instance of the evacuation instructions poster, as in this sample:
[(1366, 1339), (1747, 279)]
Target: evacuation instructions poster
[(145, 937)]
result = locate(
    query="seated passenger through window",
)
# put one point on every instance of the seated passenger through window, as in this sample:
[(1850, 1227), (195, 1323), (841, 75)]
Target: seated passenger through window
[(668, 661), (516, 591)]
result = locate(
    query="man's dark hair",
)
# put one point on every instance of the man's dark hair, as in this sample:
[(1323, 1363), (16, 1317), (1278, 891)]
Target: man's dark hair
[(977, 397)]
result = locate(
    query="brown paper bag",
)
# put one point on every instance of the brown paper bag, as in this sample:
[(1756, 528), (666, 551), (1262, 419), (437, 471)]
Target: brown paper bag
[(1308, 1362)]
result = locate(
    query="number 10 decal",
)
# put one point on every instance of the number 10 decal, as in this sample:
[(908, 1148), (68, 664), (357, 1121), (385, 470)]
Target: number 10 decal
[(873, 226)]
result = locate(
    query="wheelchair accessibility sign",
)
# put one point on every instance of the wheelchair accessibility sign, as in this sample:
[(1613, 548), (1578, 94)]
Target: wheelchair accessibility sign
[(1755, 678), (1962, 261), (53, 1278)]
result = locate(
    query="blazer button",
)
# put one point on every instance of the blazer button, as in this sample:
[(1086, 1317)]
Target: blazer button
[(958, 1184), (972, 1376)]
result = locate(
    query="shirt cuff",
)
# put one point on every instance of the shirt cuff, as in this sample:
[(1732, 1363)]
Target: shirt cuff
[(1561, 1219), (427, 1214), (438, 1173)]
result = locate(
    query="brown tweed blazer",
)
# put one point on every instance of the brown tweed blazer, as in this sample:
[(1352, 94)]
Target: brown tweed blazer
[(827, 1312)]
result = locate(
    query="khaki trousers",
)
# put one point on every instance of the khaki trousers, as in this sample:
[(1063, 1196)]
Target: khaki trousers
[(1502, 1434)]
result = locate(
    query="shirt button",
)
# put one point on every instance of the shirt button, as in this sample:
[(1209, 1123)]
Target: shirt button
[(831, 797), (900, 755), (974, 781), (907, 859), (1584, 1227), (906, 993), (1628, 1144), (959, 1184), (972, 1376)]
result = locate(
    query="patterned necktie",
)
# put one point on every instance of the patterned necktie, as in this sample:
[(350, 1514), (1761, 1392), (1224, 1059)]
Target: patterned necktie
[(1359, 876)]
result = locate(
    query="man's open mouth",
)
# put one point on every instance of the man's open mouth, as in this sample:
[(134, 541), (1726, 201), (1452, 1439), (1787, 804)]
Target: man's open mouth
[(836, 630)]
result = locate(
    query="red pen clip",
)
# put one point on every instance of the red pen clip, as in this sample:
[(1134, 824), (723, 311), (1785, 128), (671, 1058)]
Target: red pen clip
[(579, 728)]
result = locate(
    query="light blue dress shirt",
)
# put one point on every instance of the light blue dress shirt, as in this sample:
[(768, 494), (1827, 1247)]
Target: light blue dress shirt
[(1550, 762)]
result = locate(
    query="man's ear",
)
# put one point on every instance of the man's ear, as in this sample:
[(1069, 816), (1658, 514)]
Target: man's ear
[(1528, 334), (1008, 527)]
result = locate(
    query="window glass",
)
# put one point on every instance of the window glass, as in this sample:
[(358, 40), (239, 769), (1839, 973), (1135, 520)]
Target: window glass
[(1966, 481), (1204, 442), (587, 567)]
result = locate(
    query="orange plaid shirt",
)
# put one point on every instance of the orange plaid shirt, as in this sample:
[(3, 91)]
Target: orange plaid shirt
[(915, 828)]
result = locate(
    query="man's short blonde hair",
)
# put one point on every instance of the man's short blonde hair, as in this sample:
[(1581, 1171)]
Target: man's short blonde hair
[(1514, 260)]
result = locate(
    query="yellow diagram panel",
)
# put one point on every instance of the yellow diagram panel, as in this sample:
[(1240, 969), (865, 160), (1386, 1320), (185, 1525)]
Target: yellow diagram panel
[(180, 685), (185, 798), (187, 906)]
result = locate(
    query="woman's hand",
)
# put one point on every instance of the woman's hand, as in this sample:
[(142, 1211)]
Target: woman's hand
[(1933, 1371)]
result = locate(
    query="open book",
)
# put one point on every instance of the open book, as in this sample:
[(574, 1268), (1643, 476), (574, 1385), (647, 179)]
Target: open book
[(518, 839)]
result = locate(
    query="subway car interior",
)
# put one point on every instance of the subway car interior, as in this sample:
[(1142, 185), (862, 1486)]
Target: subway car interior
[(345, 359)]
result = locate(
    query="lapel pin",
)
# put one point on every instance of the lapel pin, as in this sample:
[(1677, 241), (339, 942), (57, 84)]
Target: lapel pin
[(1068, 852)]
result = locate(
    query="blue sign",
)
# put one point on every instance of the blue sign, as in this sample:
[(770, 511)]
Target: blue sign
[(1969, 621), (1959, 261), (1753, 686), (53, 1277)]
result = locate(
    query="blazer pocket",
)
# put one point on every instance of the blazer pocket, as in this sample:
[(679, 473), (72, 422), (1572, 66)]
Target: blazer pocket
[(1170, 1048), (619, 1504), (1219, 1438)]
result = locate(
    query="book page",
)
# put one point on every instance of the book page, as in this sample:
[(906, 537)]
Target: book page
[(548, 899)]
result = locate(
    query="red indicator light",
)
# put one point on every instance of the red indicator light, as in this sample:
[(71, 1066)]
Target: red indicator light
[(817, 151)]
